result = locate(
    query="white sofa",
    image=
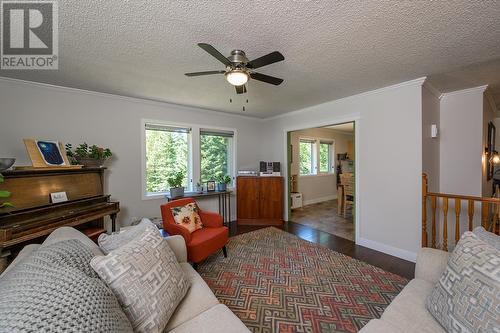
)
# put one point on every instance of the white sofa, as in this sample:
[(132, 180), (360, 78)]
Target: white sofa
[(407, 312), (199, 311)]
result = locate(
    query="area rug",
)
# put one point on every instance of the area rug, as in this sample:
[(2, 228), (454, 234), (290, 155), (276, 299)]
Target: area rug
[(276, 282)]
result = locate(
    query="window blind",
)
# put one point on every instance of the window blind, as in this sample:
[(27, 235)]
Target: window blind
[(227, 134), (307, 141), (166, 128)]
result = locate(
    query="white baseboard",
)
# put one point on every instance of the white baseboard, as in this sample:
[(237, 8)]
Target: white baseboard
[(393, 251), (318, 200)]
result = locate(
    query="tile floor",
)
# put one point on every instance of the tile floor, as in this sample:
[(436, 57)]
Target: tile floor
[(324, 216)]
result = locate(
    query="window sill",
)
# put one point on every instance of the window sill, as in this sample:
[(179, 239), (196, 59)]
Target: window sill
[(318, 175)]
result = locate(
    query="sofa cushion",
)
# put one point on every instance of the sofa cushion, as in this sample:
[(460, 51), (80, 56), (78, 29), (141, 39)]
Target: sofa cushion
[(52, 290), (65, 233), (218, 319), (187, 216), (24, 253), (467, 296), (108, 243), (146, 278), (407, 311), (198, 299), (488, 237)]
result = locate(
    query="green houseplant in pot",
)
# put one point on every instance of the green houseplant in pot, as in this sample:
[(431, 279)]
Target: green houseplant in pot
[(88, 156), (175, 182), (222, 182), (4, 195)]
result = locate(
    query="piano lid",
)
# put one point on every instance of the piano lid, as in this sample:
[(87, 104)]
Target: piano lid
[(31, 188)]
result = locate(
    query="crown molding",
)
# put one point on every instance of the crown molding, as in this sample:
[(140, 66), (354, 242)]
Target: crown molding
[(155, 102), (433, 90), (416, 82), (479, 89)]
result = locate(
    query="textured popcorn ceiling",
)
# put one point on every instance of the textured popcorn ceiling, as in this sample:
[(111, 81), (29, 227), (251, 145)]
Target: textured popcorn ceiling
[(333, 49)]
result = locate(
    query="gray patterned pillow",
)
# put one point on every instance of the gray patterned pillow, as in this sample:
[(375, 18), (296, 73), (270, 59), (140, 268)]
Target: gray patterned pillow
[(53, 290), (467, 296), (108, 243), (488, 237), (147, 279)]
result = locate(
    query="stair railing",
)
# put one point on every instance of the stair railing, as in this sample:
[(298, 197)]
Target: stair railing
[(440, 202)]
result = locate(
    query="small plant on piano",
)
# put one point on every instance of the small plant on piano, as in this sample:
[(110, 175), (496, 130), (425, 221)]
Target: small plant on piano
[(3, 195), (88, 155)]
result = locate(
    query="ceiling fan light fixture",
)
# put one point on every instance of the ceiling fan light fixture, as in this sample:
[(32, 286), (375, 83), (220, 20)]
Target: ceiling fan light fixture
[(237, 77)]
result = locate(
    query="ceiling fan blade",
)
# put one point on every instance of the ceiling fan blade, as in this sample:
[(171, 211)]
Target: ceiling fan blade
[(205, 73), (214, 53), (266, 78), (241, 89), (268, 59)]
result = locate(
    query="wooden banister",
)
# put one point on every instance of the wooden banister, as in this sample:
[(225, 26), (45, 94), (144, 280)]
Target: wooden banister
[(489, 219)]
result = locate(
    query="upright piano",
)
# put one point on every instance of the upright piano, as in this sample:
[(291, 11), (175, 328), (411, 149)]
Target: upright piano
[(34, 215)]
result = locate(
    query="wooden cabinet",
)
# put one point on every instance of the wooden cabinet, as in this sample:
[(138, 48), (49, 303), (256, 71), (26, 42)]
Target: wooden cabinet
[(260, 200)]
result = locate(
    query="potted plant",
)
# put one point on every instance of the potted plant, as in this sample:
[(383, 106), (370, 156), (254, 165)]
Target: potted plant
[(3, 195), (222, 182), (88, 156), (199, 187), (175, 182)]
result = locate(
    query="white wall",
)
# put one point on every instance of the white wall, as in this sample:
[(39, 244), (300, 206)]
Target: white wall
[(322, 187), (388, 160), (430, 146), (30, 110), (461, 140)]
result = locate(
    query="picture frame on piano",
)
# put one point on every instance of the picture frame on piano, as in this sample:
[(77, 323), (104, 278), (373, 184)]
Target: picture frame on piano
[(47, 154)]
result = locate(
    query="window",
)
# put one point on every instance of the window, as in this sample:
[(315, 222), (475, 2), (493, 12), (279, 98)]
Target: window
[(307, 153), (167, 152), (199, 153), (216, 154), (325, 157)]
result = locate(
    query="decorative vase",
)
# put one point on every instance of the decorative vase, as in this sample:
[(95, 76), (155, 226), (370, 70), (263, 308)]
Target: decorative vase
[(221, 187), (90, 162), (176, 192)]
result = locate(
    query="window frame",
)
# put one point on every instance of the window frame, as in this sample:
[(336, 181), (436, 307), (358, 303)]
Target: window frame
[(314, 156), (315, 159), (331, 153), (231, 152), (194, 153)]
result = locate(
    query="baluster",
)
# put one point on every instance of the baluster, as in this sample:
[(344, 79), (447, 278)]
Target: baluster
[(458, 207), (445, 224), (471, 213), (433, 223), (424, 210), (484, 214), (493, 218)]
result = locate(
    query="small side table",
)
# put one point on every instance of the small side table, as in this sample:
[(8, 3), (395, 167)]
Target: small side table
[(224, 198)]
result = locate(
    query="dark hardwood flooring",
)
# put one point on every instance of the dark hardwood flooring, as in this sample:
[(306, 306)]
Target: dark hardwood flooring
[(386, 262)]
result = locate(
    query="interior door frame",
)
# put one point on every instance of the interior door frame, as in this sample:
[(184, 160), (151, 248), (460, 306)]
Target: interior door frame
[(354, 118)]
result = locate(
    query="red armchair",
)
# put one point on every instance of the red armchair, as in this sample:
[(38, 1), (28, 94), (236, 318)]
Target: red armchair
[(202, 242)]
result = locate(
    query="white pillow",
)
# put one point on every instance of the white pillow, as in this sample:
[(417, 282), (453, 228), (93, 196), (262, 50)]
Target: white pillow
[(146, 278), (108, 243)]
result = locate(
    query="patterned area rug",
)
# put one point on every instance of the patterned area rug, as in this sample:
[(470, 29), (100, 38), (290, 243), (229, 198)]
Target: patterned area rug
[(275, 282)]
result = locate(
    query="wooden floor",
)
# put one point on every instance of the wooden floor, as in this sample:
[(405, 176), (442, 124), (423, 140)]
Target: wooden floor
[(324, 216), (342, 245)]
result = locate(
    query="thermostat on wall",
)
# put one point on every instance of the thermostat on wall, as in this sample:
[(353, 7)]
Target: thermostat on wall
[(434, 131)]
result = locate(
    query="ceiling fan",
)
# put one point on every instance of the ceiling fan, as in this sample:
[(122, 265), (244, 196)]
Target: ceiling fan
[(239, 69)]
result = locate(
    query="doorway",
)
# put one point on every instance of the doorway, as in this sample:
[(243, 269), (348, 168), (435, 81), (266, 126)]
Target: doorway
[(321, 177)]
